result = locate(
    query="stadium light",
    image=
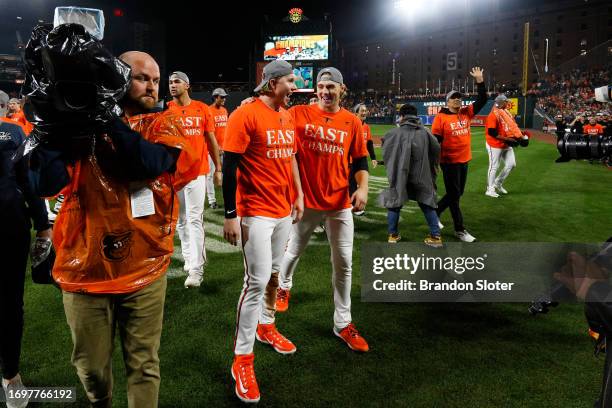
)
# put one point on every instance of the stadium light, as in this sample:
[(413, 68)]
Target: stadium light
[(418, 8), (407, 7)]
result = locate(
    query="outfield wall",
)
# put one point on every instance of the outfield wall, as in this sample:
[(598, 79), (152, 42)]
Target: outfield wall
[(427, 110)]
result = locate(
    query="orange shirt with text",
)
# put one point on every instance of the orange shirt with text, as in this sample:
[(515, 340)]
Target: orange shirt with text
[(196, 120), (219, 116), (456, 136), (326, 141), (266, 140), (593, 130)]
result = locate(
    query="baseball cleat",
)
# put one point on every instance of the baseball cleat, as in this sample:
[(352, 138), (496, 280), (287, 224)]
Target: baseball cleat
[(243, 373), (491, 193), (194, 280), (433, 241), (269, 334), (352, 338), (501, 189), (394, 238), (465, 236), (282, 299)]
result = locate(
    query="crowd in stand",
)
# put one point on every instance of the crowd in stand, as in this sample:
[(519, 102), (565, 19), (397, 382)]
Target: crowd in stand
[(571, 95)]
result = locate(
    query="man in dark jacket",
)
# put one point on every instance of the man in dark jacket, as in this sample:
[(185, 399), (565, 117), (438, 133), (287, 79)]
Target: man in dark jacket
[(576, 126), (411, 156), (18, 204)]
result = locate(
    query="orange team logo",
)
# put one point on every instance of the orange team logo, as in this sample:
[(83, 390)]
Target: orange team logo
[(116, 246), (295, 15)]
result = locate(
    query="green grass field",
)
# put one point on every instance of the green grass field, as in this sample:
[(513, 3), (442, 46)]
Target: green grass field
[(422, 355)]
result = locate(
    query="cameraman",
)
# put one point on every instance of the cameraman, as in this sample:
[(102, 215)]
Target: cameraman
[(560, 124), (18, 204), (114, 235), (577, 125), (588, 280)]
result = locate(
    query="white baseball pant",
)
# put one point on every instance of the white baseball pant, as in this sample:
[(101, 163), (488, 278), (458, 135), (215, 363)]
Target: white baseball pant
[(210, 182), (190, 225), (496, 157), (339, 229), (264, 241)]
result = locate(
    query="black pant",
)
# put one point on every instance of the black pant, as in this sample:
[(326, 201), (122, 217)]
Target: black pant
[(14, 249), (455, 177)]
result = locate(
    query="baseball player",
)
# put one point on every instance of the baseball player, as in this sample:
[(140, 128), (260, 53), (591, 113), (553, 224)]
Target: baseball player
[(15, 113), (197, 124), (262, 187), (219, 115), (451, 127), (361, 110), (328, 136), (502, 134)]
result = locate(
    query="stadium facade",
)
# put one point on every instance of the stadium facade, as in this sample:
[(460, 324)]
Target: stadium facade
[(440, 52)]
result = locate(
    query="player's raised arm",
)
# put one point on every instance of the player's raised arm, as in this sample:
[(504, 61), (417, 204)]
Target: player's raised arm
[(481, 99)]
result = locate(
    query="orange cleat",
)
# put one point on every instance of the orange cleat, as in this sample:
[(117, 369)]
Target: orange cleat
[(244, 375), (269, 334), (282, 299), (352, 338)]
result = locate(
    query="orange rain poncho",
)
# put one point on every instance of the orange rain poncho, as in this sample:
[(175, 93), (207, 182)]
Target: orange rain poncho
[(101, 248)]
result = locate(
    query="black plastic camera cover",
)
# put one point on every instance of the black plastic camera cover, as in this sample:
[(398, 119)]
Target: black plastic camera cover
[(72, 82)]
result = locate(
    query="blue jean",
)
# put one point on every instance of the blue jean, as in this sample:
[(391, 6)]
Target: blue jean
[(430, 214)]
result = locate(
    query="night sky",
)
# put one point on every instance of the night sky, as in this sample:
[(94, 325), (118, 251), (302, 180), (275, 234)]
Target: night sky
[(206, 38), (210, 38)]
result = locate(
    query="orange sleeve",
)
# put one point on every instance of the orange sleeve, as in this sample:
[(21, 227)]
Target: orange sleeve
[(369, 132), (358, 145), (437, 127), (237, 136), (491, 122), (293, 112)]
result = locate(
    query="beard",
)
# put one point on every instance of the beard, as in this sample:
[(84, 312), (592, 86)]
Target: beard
[(146, 102), (141, 104)]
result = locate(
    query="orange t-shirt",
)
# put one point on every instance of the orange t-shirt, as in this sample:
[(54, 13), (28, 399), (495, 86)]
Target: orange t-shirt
[(455, 131), (219, 116), (196, 120), (266, 140), (21, 120), (325, 143), (492, 123), (367, 133), (593, 130)]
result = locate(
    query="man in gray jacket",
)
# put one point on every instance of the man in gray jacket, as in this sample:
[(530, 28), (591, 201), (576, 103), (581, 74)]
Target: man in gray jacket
[(411, 154)]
